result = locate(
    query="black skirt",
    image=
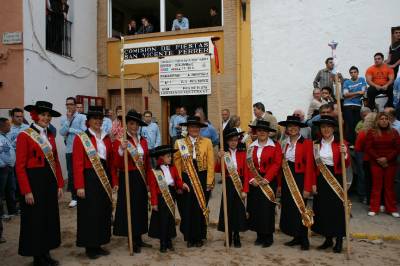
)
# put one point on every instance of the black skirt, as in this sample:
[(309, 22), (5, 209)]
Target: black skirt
[(40, 223), (162, 222), (328, 209), (193, 225), (94, 213), (237, 221), (291, 223), (139, 206), (261, 210)]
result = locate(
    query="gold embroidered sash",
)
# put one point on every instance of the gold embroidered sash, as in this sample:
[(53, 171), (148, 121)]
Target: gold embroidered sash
[(233, 173), (44, 146), (187, 160), (306, 212), (96, 163), (265, 187), (328, 176), (162, 184), (133, 152)]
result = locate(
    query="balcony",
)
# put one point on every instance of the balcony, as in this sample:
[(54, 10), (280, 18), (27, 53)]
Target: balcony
[(58, 36)]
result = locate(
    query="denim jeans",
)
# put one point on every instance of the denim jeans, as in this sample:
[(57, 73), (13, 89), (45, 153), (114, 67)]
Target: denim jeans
[(361, 186), (8, 186), (351, 115), (71, 188)]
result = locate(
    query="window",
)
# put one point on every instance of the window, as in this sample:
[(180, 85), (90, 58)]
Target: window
[(58, 27)]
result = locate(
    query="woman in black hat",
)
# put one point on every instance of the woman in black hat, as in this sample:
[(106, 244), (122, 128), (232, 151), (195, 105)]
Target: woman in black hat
[(197, 153), (237, 186), (92, 157), (138, 167), (266, 157), (41, 182), (329, 219), (298, 173), (164, 183)]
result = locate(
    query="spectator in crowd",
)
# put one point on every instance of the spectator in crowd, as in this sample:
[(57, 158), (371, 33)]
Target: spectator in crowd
[(393, 60), (304, 131), (325, 77), (152, 131), (177, 129), (7, 177), (79, 108), (107, 122), (214, 19), (325, 109), (382, 147), (226, 116), (17, 119), (234, 121), (209, 131), (260, 114), (380, 79), (327, 95), (391, 112), (146, 27), (117, 131), (71, 124), (353, 90), (315, 104), (364, 182), (132, 29), (364, 111), (180, 22), (171, 129)]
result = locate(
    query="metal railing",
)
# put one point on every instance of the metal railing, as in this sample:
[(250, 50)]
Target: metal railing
[(58, 35)]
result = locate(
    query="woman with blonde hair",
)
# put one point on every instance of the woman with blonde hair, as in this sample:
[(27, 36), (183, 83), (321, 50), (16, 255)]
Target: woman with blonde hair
[(382, 148)]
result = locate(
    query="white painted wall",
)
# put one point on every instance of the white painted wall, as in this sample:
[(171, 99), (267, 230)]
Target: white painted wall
[(42, 80), (289, 44)]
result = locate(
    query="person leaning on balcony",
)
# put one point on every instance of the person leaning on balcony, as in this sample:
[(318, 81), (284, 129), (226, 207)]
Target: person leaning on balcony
[(132, 28), (180, 22), (146, 27)]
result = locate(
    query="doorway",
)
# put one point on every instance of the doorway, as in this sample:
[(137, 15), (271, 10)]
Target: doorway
[(133, 99), (189, 102)]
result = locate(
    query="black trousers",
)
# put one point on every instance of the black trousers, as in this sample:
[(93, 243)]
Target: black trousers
[(351, 115), (373, 92)]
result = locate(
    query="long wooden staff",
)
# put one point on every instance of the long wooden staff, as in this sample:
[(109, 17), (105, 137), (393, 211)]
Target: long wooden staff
[(127, 188), (343, 163), (221, 144)]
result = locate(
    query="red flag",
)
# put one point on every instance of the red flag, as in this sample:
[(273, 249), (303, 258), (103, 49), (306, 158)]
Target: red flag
[(216, 59)]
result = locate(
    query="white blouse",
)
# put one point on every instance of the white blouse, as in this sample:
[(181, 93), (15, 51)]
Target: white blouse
[(325, 152), (167, 175), (233, 157), (101, 147), (193, 140), (290, 153)]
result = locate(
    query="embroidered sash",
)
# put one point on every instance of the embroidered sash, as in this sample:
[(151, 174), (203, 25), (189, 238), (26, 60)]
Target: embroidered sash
[(96, 163), (305, 211), (133, 152), (48, 153), (194, 178), (234, 175), (328, 176), (265, 188), (162, 184)]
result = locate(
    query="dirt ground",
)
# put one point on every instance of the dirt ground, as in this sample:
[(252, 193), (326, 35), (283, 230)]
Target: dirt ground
[(364, 252)]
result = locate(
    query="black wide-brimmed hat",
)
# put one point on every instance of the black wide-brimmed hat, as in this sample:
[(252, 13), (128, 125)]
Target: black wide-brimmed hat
[(193, 121), (162, 150), (135, 116), (42, 106), (232, 132), (263, 125), (326, 119), (95, 111), (293, 120)]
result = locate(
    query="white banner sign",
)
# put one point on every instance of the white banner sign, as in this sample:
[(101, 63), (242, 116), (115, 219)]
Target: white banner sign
[(185, 75)]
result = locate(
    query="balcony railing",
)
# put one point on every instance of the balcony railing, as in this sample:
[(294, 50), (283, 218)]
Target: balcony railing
[(58, 36)]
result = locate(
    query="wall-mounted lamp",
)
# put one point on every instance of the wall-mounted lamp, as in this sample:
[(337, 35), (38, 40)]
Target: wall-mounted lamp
[(243, 3)]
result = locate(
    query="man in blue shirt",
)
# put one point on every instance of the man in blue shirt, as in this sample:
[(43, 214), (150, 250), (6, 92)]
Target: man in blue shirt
[(180, 22), (107, 122), (151, 132), (172, 132), (177, 130), (353, 91), (7, 163), (17, 118), (71, 124)]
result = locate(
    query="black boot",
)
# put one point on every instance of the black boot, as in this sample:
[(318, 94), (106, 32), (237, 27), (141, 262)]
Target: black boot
[(49, 260), (295, 241), (269, 240), (259, 240), (92, 254), (229, 239), (338, 245), (39, 261), (169, 245), (102, 252), (236, 240), (305, 244), (142, 244), (327, 243), (163, 246)]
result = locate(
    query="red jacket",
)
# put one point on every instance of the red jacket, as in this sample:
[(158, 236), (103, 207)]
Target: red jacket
[(385, 145), (30, 155), (359, 146), (304, 162), (242, 169), (81, 160), (337, 165), (270, 163), (119, 160), (155, 190)]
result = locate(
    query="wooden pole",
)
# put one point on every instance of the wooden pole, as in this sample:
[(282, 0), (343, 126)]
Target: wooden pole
[(127, 191), (343, 163)]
